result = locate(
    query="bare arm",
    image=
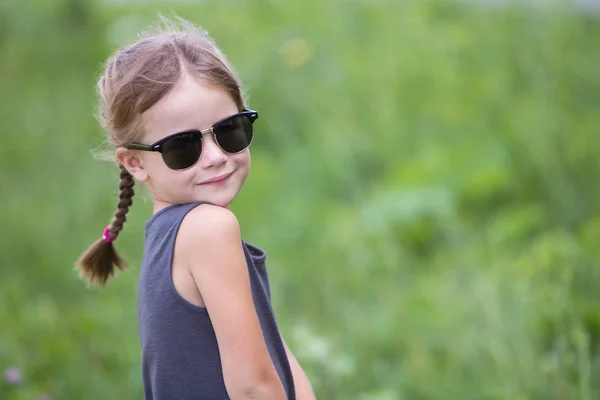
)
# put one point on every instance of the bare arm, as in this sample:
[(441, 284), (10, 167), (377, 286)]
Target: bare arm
[(211, 248), (304, 390)]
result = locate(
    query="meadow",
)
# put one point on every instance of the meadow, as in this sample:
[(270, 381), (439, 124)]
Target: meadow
[(425, 181)]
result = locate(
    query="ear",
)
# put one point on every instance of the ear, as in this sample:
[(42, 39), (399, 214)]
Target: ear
[(131, 161)]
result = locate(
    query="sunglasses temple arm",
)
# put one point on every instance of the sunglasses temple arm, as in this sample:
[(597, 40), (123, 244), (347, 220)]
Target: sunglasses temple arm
[(135, 146)]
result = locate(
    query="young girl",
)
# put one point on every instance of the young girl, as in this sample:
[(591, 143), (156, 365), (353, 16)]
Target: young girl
[(174, 112)]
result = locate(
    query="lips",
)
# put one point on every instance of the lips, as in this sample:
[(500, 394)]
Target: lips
[(217, 179)]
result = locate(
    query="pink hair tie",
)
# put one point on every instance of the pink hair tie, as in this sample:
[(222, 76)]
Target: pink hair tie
[(106, 236)]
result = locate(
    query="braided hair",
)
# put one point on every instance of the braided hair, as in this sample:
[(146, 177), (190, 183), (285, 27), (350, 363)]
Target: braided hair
[(98, 263)]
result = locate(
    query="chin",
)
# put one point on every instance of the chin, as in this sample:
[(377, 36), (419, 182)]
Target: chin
[(222, 199), (219, 202), (222, 196)]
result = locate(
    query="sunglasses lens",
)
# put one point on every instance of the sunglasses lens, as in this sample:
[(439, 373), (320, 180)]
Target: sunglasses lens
[(182, 151), (234, 134)]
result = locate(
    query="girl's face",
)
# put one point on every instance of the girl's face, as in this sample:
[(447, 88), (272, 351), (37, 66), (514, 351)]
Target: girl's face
[(190, 105)]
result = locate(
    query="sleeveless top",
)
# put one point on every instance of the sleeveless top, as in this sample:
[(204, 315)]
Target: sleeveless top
[(180, 355)]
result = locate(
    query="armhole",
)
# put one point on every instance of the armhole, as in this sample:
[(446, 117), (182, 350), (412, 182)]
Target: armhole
[(178, 296)]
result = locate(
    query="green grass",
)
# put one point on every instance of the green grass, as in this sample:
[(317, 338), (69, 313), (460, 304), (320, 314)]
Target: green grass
[(424, 181)]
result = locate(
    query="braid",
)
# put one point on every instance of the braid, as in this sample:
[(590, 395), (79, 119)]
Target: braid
[(98, 263), (125, 199)]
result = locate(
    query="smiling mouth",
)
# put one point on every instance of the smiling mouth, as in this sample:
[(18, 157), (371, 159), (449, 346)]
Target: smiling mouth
[(217, 179)]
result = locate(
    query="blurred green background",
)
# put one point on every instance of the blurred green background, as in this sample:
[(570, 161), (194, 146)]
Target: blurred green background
[(425, 182)]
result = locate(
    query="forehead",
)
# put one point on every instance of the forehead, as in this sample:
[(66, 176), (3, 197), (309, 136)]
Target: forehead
[(190, 105)]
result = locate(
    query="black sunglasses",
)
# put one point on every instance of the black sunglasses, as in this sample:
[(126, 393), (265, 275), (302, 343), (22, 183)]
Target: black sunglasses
[(182, 150)]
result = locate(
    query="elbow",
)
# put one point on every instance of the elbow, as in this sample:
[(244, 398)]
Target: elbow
[(269, 388)]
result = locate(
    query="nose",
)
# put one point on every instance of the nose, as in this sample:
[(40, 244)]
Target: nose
[(212, 155)]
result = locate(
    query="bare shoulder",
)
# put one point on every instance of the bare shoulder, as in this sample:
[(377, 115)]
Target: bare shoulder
[(208, 237), (206, 225), (206, 232)]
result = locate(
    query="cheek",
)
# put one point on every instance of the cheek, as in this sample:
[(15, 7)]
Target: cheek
[(242, 160), (153, 163), (161, 174), (173, 178)]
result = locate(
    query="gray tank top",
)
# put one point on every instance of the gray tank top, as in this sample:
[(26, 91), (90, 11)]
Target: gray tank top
[(180, 356)]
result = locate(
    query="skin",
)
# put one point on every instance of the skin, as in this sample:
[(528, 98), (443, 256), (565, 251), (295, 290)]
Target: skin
[(209, 267)]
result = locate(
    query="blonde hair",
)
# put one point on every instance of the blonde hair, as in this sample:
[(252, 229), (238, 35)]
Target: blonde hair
[(134, 79)]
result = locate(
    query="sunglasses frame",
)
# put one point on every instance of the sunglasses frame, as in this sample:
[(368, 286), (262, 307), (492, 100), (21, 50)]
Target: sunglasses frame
[(158, 145)]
